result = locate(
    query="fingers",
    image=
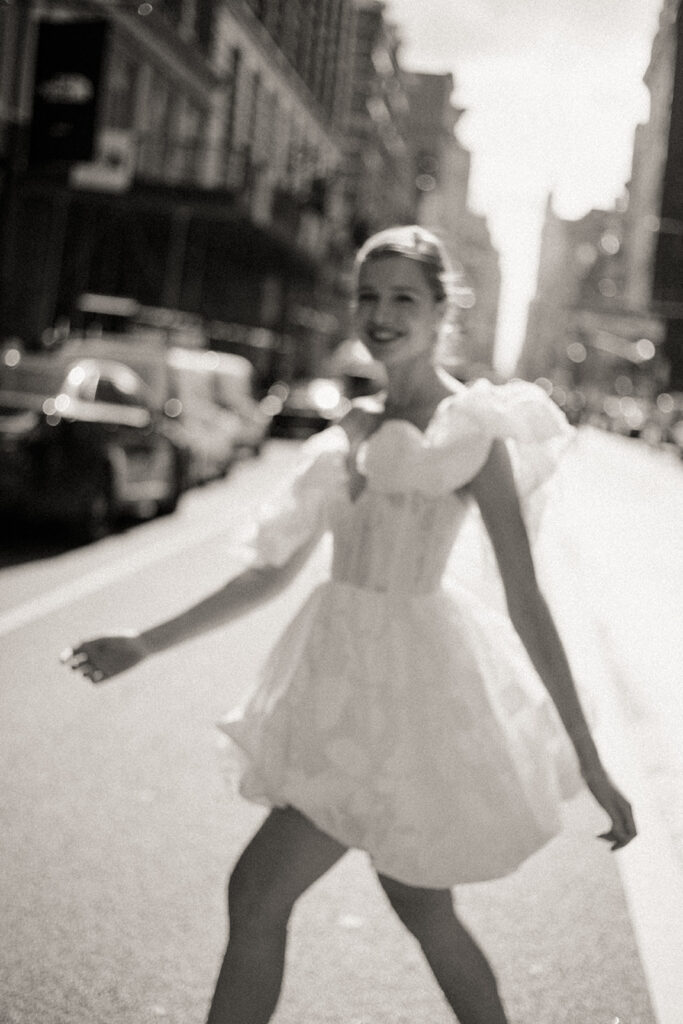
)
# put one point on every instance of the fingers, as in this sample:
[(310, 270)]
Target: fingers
[(615, 841), (72, 657), (81, 661), (95, 675), (623, 827)]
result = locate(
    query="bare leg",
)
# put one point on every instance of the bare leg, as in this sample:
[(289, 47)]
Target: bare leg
[(459, 966), (284, 858)]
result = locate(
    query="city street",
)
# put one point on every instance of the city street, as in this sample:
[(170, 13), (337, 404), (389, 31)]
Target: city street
[(118, 827)]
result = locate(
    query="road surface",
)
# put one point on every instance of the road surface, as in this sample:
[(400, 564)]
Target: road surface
[(118, 828)]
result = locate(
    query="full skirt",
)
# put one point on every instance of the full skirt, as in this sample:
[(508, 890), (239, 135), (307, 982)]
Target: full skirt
[(412, 727)]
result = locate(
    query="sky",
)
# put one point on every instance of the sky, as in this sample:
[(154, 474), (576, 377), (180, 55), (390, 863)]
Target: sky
[(553, 91)]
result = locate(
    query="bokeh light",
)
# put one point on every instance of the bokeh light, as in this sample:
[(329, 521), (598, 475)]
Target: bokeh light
[(545, 384), (623, 385), (576, 351), (607, 287), (645, 349), (665, 403), (12, 357), (610, 243)]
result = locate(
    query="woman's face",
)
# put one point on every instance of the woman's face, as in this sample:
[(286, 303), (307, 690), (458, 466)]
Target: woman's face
[(397, 316)]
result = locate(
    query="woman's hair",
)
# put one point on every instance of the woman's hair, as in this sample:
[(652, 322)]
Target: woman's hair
[(414, 243)]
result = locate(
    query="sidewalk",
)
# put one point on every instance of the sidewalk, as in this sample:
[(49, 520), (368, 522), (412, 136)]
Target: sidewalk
[(630, 530), (630, 567)]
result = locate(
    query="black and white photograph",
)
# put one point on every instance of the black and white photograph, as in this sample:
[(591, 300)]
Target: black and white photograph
[(341, 491)]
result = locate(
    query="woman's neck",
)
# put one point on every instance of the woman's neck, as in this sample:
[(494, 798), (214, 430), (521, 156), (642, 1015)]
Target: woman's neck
[(413, 386)]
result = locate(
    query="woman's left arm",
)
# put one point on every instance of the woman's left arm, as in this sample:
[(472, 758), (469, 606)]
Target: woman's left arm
[(495, 492)]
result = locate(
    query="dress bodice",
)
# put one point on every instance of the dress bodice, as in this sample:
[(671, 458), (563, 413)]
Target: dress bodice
[(396, 535), (399, 711), (394, 542)]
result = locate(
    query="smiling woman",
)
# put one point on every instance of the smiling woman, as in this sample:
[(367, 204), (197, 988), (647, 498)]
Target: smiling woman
[(398, 713), (403, 285)]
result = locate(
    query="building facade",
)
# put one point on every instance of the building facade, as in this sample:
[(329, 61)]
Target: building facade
[(667, 286), (605, 324), (185, 154), (440, 179), (585, 335), (378, 186), (222, 158)]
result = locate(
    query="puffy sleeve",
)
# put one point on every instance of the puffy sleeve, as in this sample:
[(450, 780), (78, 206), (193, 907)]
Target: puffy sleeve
[(535, 431), (296, 513), (537, 435)]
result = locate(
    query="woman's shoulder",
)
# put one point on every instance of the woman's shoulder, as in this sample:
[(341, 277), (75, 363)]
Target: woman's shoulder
[(512, 408)]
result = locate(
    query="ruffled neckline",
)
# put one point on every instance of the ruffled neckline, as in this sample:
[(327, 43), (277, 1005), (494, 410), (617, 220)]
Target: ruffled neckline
[(390, 457), (394, 425), (397, 456)]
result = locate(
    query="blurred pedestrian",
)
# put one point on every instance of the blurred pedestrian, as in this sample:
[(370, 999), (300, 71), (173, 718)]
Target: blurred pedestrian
[(400, 713)]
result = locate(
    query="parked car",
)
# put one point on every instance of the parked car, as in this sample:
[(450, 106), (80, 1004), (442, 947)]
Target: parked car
[(211, 434), (224, 383), (83, 441), (307, 406), (212, 431)]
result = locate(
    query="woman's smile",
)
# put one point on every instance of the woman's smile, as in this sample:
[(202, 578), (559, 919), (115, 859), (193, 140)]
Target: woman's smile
[(383, 335), (397, 315)]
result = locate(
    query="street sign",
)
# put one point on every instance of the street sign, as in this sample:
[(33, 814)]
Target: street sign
[(112, 169), (68, 68)]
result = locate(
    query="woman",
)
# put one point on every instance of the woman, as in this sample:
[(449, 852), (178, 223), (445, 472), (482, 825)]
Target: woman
[(397, 714)]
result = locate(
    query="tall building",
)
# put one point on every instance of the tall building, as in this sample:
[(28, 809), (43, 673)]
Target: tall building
[(440, 179), (649, 160), (667, 288), (584, 334), (317, 39), (378, 175), (607, 314), (185, 153)]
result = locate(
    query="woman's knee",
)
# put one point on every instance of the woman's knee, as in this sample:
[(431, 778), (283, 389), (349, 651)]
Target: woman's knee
[(282, 860), (255, 900), (420, 910)]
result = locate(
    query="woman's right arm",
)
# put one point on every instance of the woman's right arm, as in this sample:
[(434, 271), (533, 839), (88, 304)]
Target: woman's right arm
[(103, 657)]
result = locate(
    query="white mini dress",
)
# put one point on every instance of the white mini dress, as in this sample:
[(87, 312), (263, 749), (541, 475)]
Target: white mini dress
[(399, 710)]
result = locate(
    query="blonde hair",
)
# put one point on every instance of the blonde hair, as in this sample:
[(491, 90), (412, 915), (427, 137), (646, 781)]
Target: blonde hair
[(414, 243)]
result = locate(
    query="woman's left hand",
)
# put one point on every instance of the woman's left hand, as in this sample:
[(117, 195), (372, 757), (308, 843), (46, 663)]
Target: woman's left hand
[(106, 656), (616, 805)]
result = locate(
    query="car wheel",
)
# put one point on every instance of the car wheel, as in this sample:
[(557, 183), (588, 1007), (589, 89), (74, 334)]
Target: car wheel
[(169, 504)]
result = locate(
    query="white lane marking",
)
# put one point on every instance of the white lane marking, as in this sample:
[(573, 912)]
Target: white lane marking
[(98, 579), (231, 522)]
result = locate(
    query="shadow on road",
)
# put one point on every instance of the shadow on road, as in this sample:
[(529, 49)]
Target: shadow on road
[(30, 542), (22, 542)]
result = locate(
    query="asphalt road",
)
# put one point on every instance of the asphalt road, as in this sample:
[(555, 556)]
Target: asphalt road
[(118, 827)]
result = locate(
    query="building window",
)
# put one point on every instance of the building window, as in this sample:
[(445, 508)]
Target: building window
[(120, 111), (154, 140), (183, 140)]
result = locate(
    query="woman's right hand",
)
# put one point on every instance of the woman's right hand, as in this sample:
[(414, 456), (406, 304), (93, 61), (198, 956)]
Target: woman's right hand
[(616, 805), (106, 656)]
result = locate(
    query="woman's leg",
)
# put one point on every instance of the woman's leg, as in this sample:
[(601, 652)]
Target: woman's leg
[(285, 857), (459, 966)]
